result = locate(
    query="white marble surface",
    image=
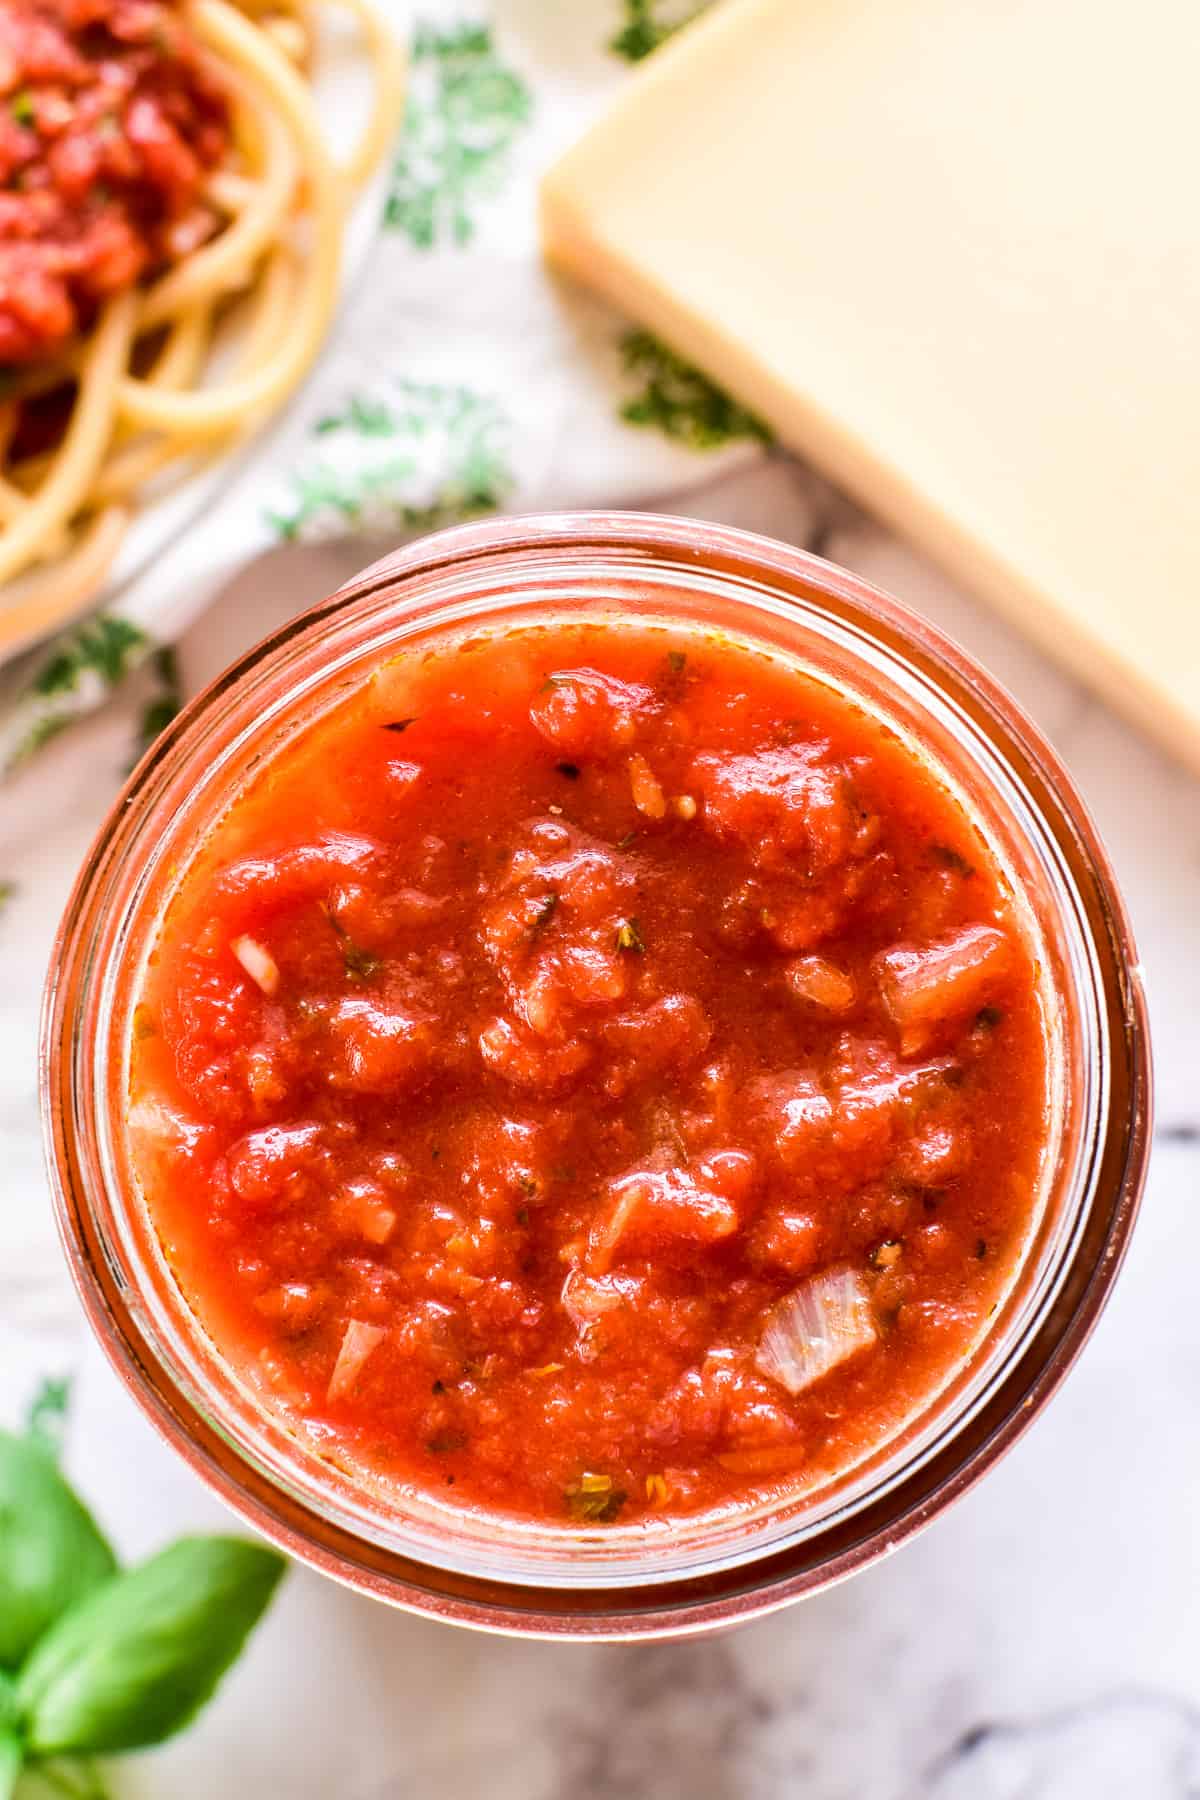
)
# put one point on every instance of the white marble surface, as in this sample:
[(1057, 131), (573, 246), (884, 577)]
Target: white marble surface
[(1041, 1642)]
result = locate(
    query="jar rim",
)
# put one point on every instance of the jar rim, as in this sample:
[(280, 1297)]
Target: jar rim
[(666, 1601)]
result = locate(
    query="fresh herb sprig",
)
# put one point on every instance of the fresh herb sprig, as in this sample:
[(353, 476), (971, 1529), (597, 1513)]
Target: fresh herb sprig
[(96, 1659)]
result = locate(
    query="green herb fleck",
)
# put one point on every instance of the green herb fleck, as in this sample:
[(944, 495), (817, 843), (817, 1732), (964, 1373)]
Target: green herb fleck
[(981, 1249), (623, 843), (399, 724), (358, 963), (629, 937), (648, 23), (569, 769), (527, 1185), (988, 1017), (446, 1443), (676, 662), (523, 1216), (545, 912), (679, 401), (466, 109), (595, 1500), (953, 859), (22, 108)]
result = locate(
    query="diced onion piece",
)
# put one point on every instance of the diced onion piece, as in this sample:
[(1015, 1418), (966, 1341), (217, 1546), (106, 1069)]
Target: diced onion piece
[(922, 989), (820, 1324), (358, 1342), (820, 983), (646, 788), (258, 963)]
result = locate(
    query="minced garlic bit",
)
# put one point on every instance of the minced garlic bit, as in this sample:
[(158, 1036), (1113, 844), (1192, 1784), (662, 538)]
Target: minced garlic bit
[(684, 805), (648, 796), (258, 963), (820, 983), (358, 1341)]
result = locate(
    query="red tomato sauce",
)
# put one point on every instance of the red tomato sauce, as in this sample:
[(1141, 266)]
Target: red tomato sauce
[(598, 1071), (109, 125)]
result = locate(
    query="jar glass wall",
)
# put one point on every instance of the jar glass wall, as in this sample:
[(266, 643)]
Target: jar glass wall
[(510, 1574)]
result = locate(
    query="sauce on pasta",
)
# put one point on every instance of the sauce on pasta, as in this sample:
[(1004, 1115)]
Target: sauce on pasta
[(109, 123)]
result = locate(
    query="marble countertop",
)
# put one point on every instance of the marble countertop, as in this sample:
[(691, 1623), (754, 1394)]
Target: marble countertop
[(1040, 1642)]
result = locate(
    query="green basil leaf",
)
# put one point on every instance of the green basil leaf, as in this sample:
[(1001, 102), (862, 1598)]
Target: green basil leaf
[(51, 1553), (12, 1755), (136, 1660)]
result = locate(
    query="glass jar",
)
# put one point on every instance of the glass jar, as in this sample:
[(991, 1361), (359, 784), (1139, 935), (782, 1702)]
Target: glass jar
[(519, 1576)]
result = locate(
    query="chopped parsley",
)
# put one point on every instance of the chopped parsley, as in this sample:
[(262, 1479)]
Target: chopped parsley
[(545, 912), (358, 963), (446, 1443), (953, 859), (629, 938), (22, 108)]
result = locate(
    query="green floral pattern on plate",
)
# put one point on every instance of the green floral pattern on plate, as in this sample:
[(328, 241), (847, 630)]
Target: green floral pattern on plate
[(465, 109), (417, 456), (680, 401)]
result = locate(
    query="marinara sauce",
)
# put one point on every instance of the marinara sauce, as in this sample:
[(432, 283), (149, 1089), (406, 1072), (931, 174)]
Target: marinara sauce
[(596, 1071), (110, 124)]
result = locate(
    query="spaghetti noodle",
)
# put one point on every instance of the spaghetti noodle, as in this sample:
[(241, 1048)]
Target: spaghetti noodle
[(109, 384)]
